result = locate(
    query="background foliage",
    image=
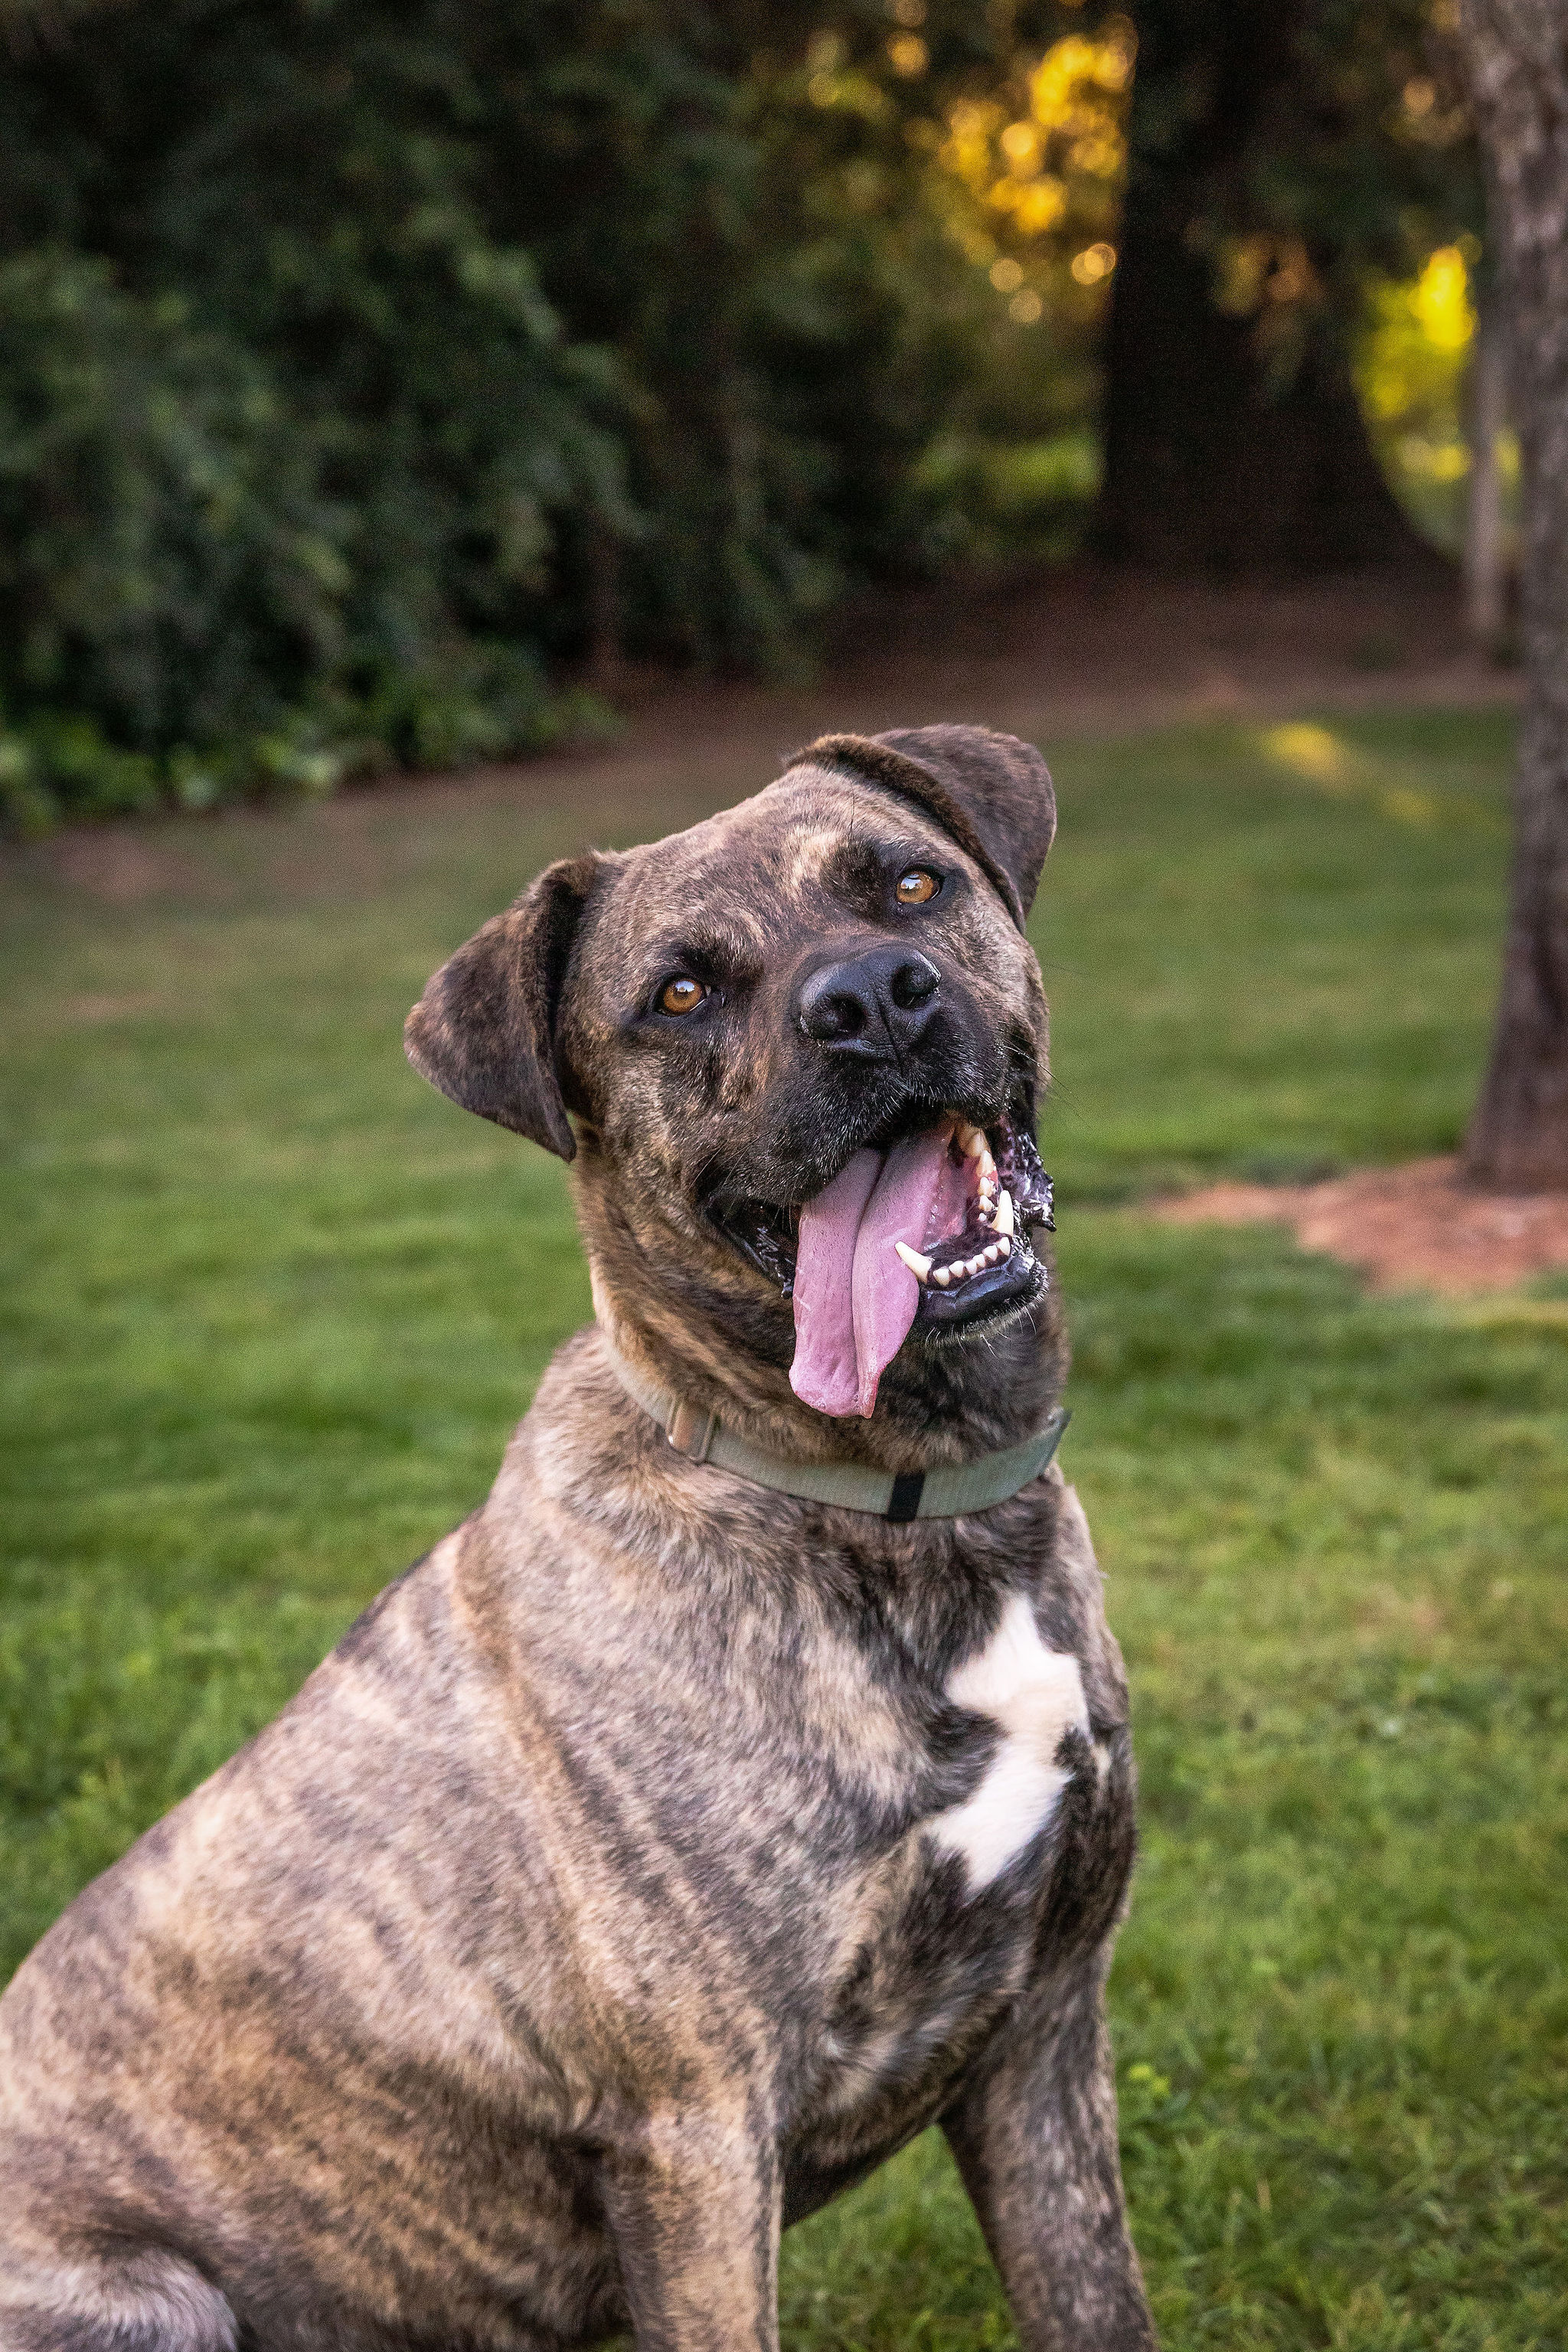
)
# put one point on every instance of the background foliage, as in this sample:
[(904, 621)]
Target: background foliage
[(358, 361), (369, 367)]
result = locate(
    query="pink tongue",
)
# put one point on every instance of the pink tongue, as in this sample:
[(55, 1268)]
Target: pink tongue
[(855, 1298)]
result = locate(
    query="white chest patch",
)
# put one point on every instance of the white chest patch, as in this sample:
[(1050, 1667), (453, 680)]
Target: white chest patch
[(1036, 1695)]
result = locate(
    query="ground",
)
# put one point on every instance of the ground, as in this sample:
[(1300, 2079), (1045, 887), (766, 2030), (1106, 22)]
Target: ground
[(270, 1307), (1068, 655), (1415, 1227)]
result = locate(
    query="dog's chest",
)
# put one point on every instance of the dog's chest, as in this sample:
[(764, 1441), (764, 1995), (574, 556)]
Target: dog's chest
[(1034, 1697), (952, 1912)]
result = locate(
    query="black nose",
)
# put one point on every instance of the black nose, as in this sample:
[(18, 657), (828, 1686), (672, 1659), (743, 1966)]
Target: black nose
[(874, 1004)]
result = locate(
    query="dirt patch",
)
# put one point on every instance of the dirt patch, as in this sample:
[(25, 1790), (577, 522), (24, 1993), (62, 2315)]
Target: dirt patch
[(1083, 652), (1090, 650), (1412, 1228), (89, 1012), (122, 865)]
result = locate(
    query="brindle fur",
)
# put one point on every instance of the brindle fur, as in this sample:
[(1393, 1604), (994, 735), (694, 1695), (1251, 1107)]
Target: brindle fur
[(579, 1924)]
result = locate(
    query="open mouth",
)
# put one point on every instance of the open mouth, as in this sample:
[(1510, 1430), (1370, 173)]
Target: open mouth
[(931, 1233)]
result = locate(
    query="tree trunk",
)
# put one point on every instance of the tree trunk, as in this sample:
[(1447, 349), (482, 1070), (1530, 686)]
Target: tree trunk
[(1516, 58), (1210, 462), (1486, 566)]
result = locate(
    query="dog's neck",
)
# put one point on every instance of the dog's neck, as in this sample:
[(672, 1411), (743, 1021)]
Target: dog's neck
[(692, 1318)]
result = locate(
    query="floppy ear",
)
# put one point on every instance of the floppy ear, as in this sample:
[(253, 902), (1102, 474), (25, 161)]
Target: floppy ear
[(484, 1030), (991, 792)]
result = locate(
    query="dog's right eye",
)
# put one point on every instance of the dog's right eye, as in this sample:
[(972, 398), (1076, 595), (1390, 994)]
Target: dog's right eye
[(680, 996)]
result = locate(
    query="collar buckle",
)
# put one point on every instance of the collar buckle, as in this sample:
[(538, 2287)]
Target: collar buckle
[(691, 1432)]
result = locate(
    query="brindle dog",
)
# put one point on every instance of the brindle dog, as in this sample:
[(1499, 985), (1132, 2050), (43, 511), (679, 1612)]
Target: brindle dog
[(661, 1853)]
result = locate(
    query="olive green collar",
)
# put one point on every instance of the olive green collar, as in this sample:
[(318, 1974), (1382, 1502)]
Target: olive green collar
[(950, 1492)]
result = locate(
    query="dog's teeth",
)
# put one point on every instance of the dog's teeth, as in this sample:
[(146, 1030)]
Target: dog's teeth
[(1004, 1247), (942, 1275), (987, 1165), (972, 1142), (987, 1186), (1004, 1224), (984, 1212), (993, 1253), (919, 1266)]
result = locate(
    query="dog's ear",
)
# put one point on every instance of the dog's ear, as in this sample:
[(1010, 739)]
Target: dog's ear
[(484, 1030), (991, 792)]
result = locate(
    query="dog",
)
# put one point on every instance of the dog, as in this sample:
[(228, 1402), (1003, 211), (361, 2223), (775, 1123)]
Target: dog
[(747, 1784)]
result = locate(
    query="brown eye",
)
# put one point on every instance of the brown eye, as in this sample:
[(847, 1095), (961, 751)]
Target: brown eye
[(916, 886), (680, 996)]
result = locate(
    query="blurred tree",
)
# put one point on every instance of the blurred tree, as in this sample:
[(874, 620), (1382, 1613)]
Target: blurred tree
[(366, 366), (362, 361), (1489, 541), (1516, 57), (1028, 183), (1275, 154), (1417, 361), (286, 425)]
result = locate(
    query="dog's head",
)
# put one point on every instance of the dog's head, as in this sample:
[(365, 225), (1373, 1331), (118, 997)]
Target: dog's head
[(795, 1051)]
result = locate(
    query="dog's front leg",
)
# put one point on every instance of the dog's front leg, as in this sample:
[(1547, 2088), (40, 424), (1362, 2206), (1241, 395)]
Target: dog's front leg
[(1035, 2138), (693, 2206)]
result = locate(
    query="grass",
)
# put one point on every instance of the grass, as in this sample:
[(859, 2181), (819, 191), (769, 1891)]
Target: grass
[(269, 1307)]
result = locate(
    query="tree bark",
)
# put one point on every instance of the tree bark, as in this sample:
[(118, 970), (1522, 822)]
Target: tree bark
[(1211, 463), (1516, 58)]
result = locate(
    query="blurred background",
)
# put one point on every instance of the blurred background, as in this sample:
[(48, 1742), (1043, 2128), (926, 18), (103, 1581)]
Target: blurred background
[(381, 384), (435, 436)]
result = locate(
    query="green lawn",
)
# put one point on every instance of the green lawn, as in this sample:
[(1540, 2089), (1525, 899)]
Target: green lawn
[(270, 1307)]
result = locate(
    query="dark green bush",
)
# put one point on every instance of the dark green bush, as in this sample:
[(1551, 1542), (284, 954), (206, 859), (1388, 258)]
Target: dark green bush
[(365, 364), (171, 560)]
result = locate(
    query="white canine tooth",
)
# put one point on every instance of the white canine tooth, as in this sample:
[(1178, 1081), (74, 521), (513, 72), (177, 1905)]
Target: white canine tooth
[(918, 1265), (1004, 1247), (1004, 1224), (942, 1275)]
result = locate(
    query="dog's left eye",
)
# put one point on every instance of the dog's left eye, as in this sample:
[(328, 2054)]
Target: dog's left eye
[(680, 996), (916, 886)]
